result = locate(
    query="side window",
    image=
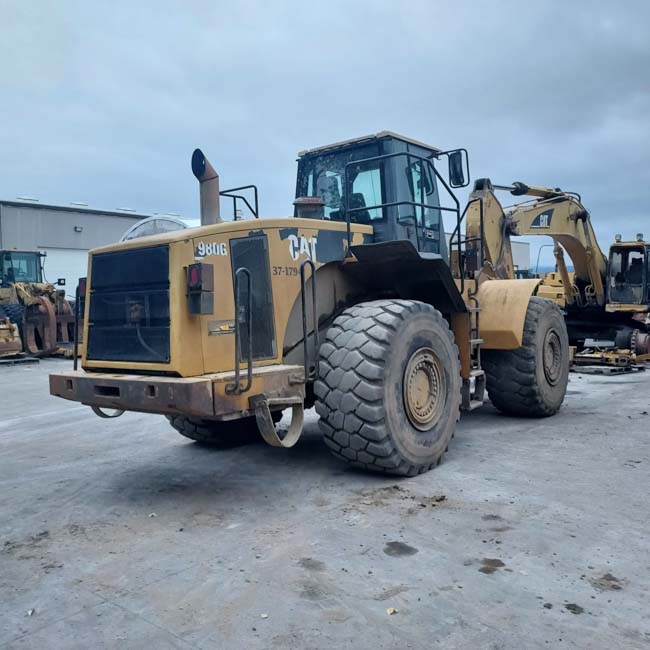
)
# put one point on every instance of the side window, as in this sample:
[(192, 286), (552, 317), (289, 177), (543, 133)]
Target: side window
[(635, 268), (422, 188), (615, 274), (366, 192)]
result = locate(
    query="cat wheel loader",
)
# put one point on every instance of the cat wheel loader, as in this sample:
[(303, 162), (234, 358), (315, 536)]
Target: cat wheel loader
[(43, 317), (606, 299), (351, 305)]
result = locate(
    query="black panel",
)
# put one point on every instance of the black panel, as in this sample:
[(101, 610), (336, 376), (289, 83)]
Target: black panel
[(129, 306), (397, 266), (252, 253)]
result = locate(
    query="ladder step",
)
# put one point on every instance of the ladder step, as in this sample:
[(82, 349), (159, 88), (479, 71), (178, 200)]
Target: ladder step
[(475, 341), (473, 310)]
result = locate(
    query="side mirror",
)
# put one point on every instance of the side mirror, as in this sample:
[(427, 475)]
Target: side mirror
[(61, 282), (458, 168)]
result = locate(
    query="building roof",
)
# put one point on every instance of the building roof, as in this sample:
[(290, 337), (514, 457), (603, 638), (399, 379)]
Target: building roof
[(366, 138), (79, 207)]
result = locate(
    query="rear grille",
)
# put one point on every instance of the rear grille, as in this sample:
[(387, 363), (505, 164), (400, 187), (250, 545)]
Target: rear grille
[(252, 253), (129, 306)]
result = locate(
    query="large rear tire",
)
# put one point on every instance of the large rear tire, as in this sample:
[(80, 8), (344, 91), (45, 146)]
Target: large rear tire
[(388, 391), (220, 434), (531, 381)]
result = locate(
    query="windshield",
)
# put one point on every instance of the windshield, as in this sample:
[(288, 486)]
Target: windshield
[(401, 180), (323, 176), (20, 267), (627, 275)]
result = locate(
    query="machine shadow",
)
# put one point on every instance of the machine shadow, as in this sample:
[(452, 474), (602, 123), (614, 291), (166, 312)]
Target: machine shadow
[(190, 473)]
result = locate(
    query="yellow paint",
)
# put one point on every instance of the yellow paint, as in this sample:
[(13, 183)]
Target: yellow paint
[(503, 312), (193, 351)]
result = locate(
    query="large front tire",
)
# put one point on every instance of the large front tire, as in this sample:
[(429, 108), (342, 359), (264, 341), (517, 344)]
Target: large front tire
[(388, 391), (531, 380)]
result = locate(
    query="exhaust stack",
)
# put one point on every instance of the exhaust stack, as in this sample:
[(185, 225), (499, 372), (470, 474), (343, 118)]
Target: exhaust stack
[(209, 183)]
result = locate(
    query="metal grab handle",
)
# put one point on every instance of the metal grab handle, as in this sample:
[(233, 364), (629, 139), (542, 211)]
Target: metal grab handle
[(236, 387), (310, 373), (75, 345)]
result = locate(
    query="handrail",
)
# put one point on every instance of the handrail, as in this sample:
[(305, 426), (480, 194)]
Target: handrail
[(236, 386), (456, 233), (348, 211), (75, 345), (310, 373), (229, 193)]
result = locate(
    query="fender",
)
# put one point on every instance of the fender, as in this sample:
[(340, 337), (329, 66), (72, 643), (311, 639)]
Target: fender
[(503, 306)]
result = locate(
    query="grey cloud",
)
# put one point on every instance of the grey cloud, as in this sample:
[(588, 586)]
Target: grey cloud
[(105, 102)]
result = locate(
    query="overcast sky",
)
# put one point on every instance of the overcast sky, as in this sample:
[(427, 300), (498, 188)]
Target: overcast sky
[(104, 102)]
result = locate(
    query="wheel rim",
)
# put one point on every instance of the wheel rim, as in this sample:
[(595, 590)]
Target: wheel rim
[(552, 357), (424, 389)]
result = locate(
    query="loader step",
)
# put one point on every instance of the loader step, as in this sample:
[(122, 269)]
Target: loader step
[(473, 390)]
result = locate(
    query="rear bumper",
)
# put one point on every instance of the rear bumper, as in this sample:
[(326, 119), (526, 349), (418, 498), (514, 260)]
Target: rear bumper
[(203, 396)]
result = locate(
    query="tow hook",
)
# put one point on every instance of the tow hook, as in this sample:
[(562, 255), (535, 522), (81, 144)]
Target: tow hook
[(110, 413), (260, 405)]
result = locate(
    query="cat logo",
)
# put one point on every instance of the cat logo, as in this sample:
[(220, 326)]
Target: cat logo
[(302, 246), (543, 219)]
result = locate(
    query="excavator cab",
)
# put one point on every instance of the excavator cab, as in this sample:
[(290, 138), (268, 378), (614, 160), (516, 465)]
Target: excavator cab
[(629, 273), (386, 181)]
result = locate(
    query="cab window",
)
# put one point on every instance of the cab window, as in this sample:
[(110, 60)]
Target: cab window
[(366, 192), (20, 267), (626, 276), (422, 189)]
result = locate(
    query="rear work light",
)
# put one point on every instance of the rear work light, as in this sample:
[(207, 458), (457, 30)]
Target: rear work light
[(200, 288)]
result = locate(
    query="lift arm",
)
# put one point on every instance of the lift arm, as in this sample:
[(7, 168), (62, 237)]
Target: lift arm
[(559, 215)]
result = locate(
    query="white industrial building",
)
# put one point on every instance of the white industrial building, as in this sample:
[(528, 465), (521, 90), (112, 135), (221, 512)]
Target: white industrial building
[(64, 232)]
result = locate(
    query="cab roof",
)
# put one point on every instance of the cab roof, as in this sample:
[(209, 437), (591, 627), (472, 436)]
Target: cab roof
[(367, 138)]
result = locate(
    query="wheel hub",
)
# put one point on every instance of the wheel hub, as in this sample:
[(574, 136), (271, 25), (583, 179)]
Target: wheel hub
[(552, 357), (424, 389)]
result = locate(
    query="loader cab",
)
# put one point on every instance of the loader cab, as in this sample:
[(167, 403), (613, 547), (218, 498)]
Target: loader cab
[(386, 181), (629, 273), (20, 266)]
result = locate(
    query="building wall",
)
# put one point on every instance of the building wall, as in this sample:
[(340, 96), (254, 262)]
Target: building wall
[(52, 229), (521, 254)]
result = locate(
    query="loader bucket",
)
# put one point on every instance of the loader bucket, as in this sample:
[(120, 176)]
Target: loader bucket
[(10, 341)]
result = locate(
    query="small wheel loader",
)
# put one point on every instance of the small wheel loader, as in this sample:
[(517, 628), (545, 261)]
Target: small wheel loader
[(355, 305), (40, 316)]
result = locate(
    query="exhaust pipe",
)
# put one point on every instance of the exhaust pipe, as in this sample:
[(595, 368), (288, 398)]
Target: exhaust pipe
[(209, 182)]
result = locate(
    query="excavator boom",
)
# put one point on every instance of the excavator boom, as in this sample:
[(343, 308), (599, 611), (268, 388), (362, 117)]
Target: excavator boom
[(560, 215)]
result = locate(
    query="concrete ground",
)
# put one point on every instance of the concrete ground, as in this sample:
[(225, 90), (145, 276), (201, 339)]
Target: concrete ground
[(122, 533)]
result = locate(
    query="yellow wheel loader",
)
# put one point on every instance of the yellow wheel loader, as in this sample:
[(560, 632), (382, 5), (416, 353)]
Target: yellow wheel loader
[(606, 300), (44, 318), (353, 305)]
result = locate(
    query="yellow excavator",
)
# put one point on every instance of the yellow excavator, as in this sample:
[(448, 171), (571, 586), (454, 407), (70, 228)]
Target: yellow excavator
[(606, 300)]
